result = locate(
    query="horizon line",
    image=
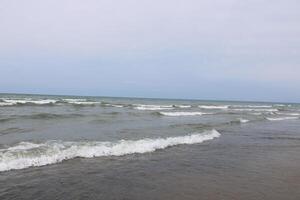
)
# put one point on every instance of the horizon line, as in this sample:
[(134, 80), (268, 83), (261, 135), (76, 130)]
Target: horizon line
[(153, 98)]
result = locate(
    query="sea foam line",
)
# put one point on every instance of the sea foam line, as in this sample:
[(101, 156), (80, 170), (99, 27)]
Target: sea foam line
[(153, 107), (254, 109), (178, 114), (290, 114), (27, 154), (11, 102), (223, 107), (243, 120), (281, 118), (251, 106)]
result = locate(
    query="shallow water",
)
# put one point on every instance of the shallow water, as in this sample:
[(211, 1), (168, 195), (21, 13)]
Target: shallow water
[(56, 147)]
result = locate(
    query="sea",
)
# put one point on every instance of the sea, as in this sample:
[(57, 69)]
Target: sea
[(79, 147)]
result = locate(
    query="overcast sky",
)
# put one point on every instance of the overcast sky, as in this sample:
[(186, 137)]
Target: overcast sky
[(204, 49)]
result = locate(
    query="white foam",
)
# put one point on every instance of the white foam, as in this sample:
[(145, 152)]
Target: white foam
[(291, 114), (256, 113), (254, 109), (114, 105), (117, 106), (251, 106), (27, 154), (23, 146), (153, 107), (80, 102), (214, 107), (280, 105), (6, 104), (183, 106), (177, 114), (25, 101), (85, 103), (243, 120), (281, 118), (73, 100)]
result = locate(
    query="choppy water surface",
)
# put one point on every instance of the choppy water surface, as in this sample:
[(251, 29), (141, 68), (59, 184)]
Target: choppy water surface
[(62, 147)]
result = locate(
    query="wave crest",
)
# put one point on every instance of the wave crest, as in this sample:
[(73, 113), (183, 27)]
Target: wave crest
[(254, 110), (281, 118), (13, 102), (177, 114), (153, 107), (27, 154), (223, 107)]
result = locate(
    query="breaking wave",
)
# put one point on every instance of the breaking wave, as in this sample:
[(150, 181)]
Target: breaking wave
[(213, 107), (153, 107), (176, 114), (6, 104), (238, 121), (251, 106), (81, 102), (13, 102), (281, 118), (73, 100), (182, 106), (254, 109), (243, 120), (290, 114), (113, 105), (27, 154)]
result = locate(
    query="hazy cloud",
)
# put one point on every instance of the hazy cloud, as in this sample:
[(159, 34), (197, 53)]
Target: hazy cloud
[(173, 48)]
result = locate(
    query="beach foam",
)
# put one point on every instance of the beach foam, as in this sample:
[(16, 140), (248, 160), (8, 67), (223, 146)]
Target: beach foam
[(27, 154)]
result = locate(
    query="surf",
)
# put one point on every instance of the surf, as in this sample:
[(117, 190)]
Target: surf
[(28, 154)]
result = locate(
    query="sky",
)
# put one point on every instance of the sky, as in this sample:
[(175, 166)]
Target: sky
[(197, 49)]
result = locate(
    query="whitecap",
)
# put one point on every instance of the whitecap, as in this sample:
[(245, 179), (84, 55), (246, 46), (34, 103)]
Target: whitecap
[(153, 107), (281, 118), (254, 109), (243, 120), (114, 105), (26, 101), (183, 106), (26, 154), (256, 113), (251, 106), (280, 105), (6, 104), (73, 100), (177, 114), (290, 114), (213, 107), (80, 102)]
